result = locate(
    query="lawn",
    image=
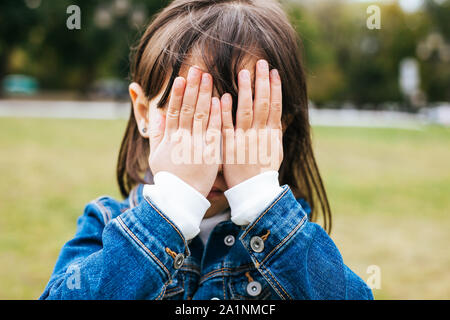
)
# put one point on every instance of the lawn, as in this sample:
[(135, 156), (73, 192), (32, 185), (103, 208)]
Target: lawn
[(389, 190)]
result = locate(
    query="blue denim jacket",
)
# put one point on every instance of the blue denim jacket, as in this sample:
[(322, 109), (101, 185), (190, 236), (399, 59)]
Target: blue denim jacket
[(131, 250)]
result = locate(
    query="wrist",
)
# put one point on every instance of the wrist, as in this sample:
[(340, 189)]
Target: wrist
[(180, 202), (249, 198), (238, 178)]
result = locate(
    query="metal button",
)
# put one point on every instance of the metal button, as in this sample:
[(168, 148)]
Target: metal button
[(179, 260), (257, 244), (229, 240), (215, 298), (254, 288)]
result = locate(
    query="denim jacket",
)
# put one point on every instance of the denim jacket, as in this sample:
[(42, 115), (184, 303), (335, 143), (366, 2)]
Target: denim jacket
[(131, 250)]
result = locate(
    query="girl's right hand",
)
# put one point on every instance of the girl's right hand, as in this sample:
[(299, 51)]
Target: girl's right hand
[(192, 126)]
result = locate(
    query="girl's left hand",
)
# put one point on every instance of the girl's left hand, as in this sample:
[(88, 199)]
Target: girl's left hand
[(255, 145)]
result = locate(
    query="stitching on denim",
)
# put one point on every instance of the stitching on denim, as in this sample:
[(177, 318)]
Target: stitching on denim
[(176, 229), (259, 218), (285, 238), (171, 290), (190, 268), (259, 265), (119, 219), (175, 290), (307, 253), (230, 286), (159, 297), (103, 211), (213, 273), (273, 277), (226, 270), (270, 282), (223, 286)]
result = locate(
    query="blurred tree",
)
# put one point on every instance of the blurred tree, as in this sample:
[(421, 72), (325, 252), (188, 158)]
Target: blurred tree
[(345, 61), (72, 59), (434, 50), (16, 21)]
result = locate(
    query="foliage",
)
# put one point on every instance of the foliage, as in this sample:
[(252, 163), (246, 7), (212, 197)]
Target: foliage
[(346, 62)]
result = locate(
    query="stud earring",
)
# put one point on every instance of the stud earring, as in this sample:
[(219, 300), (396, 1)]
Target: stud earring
[(143, 126)]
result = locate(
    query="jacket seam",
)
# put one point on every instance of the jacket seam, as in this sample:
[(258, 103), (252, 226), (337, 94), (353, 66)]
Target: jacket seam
[(298, 226), (143, 246), (273, 277), (170, 292), (161, 294), (265, 211), (168, 221), (225, 270), (106, 214)]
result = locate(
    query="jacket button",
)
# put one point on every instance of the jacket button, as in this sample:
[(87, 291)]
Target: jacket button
[(254, 288), (229, 240), (179, 260), (257, 244)]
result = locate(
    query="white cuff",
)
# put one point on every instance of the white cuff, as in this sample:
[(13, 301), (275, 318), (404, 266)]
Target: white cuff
[(248, 199), (180, 202)]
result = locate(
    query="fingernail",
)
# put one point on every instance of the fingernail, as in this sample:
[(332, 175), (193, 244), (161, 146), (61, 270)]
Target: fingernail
[(205, 79), (215, 102), (178, 83), (226, 98), (263, 65), (193, 72), (275, 74), (245, 75)]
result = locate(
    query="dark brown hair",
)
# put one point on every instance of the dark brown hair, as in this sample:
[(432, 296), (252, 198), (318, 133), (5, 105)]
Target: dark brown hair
[(225, 33)]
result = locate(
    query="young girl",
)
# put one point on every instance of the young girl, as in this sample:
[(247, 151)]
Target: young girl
[(209, 73)]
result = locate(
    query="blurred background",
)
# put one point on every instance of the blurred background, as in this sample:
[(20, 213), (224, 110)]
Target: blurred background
[(380, 109)]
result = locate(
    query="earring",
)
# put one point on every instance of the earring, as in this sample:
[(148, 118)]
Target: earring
[(143, 126)]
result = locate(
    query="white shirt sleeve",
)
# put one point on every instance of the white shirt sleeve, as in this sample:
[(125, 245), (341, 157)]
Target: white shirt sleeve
[(248, 199), (180, 202)]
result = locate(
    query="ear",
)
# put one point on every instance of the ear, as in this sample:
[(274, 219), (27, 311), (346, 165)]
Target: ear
[(140, 108)]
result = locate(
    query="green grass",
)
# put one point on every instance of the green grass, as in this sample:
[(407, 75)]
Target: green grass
[(389, 191)]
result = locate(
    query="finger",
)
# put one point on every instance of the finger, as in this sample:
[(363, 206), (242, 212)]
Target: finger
[(176, 99), (215, 119), (276, 101), (213, 136), (203, 108), (227, 129), (262, 94), (190, 98), (244, 116), (227, 116)]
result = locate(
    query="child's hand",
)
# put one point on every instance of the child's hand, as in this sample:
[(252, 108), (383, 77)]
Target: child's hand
[(192, 126), (258, 121)]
